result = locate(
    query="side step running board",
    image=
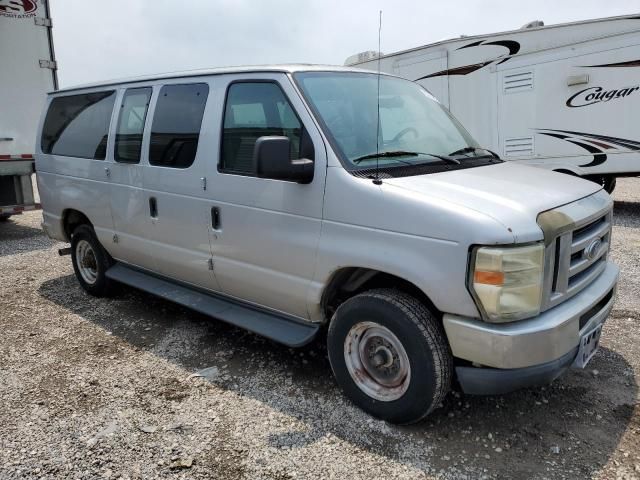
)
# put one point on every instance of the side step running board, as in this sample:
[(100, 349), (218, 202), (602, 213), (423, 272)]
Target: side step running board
[(289, 331)]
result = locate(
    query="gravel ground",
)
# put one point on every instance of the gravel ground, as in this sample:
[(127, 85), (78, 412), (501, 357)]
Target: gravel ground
[(97, 388)]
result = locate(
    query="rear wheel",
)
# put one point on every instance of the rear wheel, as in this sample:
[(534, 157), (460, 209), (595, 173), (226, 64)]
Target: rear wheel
[(90, 262), (390, 355)]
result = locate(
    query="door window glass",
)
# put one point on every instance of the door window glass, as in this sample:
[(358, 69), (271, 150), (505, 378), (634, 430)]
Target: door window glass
[(176, 125), (133, 112), (78, 125), (253, 110)]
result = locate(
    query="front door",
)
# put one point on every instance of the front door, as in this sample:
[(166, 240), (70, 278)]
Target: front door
[(265, 232)]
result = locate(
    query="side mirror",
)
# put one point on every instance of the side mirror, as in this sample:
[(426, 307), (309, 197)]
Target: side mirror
[(271, 160)]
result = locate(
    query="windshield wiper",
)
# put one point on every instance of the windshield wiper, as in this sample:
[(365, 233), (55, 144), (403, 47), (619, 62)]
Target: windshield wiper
[(464, 150), (403, 153)]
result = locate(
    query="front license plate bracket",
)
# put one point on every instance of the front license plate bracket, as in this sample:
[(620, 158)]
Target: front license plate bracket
[(589, 343)]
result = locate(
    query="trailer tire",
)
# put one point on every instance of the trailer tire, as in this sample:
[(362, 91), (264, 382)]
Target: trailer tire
[(390, 355), (91, 262)]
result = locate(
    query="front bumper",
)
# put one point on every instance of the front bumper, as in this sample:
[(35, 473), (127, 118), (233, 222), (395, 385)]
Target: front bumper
[(496, 381), (547, 340)]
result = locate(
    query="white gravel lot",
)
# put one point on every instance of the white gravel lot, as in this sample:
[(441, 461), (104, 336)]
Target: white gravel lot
[(104, 388)]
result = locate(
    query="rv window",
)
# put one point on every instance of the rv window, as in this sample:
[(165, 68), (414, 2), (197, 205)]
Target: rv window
[(253, 110), (176, 125), (133, 112), (77, 125)]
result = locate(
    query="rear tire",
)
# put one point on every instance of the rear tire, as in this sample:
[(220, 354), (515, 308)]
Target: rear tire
[(390, 355), (91, 262)]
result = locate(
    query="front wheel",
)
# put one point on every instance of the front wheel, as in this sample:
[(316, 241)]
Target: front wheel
[(91, 262), (389, 355)]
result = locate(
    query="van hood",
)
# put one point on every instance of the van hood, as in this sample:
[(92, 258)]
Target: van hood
[(512, 194)]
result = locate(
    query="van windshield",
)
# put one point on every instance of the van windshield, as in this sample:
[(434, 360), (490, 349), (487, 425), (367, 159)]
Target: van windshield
[(414, 128)]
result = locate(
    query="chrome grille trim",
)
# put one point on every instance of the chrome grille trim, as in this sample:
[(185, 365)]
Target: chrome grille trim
[(568, 231)]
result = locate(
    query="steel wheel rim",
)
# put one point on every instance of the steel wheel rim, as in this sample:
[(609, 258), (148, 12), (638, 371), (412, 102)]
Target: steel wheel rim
[(377, 361), (86, 262)]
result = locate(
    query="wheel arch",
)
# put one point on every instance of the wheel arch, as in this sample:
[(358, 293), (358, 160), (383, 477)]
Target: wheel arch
[(347, 282), (71, 219)]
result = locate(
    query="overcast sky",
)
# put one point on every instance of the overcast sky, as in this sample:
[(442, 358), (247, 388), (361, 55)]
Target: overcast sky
[(98, 40)]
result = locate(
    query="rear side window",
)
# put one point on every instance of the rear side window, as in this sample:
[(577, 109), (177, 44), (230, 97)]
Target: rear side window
[(253, 110), (133, 112), (78, 125), (176, 125)]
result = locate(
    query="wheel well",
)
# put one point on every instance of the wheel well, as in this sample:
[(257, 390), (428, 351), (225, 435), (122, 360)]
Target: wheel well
[(71, 219), (350, 281)]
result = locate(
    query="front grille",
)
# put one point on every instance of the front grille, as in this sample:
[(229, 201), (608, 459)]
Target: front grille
[(576, 255), (589, 247)]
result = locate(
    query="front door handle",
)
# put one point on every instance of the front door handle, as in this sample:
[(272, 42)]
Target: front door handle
[(153, 207), (215, 218)]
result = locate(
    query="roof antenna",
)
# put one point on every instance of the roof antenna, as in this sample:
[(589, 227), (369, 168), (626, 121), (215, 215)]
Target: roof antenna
[(377, 180)]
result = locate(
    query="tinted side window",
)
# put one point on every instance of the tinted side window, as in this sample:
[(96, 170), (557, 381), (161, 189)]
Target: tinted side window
[(77, 125), (133, 112), (176, 125), (253, 110)]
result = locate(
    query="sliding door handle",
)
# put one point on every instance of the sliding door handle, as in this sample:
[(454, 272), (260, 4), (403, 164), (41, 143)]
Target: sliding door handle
[(153, 207), (215, 218)]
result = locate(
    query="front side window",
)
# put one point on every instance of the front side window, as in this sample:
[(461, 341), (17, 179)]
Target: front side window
[(176, 125), (78, 125), (133, 112), (411, 127), (253, 110)]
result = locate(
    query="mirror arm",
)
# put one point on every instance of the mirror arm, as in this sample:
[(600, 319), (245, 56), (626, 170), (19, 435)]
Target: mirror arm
[(304, 165)]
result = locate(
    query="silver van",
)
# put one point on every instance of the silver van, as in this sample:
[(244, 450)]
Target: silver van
[(291, 200)]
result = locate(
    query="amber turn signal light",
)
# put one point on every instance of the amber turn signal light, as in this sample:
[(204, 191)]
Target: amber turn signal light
[(488, 278)]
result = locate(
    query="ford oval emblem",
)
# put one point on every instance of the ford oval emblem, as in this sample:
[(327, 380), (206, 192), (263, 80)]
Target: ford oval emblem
[(592, 249)]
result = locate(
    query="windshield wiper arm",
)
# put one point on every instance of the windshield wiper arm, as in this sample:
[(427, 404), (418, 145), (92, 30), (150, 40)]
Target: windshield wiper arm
[(464, 150), (394, 153), (403, 153)]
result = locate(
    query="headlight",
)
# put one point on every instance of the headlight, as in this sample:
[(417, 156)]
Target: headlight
[(507, 281)]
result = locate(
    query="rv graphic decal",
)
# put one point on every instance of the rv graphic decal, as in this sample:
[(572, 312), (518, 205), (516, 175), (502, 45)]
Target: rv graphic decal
[(592, 95), (511, 45), (631, 63), (592, 143)]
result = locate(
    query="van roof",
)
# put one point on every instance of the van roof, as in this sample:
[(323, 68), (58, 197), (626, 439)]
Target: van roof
[(284, 68)]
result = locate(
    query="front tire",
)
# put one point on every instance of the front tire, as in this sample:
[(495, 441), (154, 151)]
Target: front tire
[(390, 355), (91, 262)]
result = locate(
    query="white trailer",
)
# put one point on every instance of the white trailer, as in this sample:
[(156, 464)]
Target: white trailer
[(28, 72), (563, 97)]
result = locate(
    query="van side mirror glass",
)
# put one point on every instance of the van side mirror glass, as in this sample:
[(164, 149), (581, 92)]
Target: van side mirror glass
[(271, 160)]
